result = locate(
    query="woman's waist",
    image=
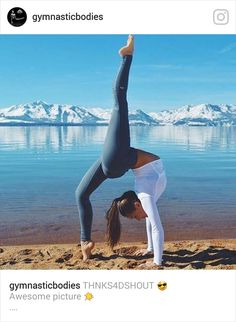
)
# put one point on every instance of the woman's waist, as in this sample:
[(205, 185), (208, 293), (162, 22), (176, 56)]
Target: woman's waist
[(144, 157), (150, 168)]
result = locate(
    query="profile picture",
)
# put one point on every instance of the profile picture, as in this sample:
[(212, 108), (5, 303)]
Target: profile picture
[(17, 17)]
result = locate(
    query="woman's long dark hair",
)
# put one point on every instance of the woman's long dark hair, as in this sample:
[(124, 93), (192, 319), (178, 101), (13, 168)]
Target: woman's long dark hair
[(123, 205)]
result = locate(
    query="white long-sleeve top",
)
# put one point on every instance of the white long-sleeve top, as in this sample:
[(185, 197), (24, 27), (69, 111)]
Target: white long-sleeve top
[(150, 183)]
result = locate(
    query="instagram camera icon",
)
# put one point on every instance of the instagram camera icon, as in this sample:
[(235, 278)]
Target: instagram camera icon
[(221, 17)]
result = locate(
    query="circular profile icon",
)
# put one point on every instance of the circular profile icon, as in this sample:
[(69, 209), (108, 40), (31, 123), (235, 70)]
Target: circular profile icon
[(17, 17)]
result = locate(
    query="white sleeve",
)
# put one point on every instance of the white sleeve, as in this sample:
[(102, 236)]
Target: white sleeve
[(157, 233), (149, 235)]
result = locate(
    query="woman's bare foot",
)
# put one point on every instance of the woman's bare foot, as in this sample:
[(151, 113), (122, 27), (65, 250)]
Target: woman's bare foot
[(86, 247), (129, 48)]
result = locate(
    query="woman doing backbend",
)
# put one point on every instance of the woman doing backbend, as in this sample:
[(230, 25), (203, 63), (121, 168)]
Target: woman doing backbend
[(116, 159)]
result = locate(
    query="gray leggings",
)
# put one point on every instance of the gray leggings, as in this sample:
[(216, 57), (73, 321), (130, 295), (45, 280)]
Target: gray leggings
[(117, 156)]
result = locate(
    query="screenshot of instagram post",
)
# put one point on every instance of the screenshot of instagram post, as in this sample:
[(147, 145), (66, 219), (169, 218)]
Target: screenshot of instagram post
[(118, 161)]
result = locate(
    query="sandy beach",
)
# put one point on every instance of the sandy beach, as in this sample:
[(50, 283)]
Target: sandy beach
[(197, 254)]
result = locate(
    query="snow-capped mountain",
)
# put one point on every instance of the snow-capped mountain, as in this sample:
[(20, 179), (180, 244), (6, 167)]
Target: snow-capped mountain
[(138, 117), (103, 114), (40, 112), (198, 115)]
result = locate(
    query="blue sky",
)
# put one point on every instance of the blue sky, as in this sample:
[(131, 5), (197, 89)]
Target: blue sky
[(168, 70)]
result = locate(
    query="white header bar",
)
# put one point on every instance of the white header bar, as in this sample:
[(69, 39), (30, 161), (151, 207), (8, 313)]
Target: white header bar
[(118, 17)]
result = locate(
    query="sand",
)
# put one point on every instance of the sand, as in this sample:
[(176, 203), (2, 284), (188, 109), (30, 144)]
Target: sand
[(200, 254)]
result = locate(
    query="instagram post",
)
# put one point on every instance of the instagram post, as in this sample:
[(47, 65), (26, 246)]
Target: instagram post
[(59, 187), (117, 171)]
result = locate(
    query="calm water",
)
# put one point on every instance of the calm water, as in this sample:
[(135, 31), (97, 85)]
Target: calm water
[(40, 168)]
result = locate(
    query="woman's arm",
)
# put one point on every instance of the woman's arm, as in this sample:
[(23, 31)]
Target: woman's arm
[(157, 232)]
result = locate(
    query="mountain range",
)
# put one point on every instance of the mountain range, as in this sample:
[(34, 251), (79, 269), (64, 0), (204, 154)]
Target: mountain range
[(42, 113)]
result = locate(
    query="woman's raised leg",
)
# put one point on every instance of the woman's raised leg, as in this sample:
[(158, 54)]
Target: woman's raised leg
[(117, 154)]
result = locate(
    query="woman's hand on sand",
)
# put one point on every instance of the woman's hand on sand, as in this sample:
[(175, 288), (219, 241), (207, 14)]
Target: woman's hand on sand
[(143, 252), (150, 265)]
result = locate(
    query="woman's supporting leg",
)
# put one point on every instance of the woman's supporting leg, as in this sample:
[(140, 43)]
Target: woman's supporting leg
[(91, 180), (117, 153)]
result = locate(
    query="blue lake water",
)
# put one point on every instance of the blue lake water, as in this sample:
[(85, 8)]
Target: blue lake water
[(40, 168)]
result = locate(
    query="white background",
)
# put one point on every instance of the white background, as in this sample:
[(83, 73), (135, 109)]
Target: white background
[(124, 17), (190, 296)]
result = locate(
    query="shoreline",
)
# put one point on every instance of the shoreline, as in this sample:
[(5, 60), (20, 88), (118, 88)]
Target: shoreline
[(180, 229), (45, 244), (129, 236), (190, 254)]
